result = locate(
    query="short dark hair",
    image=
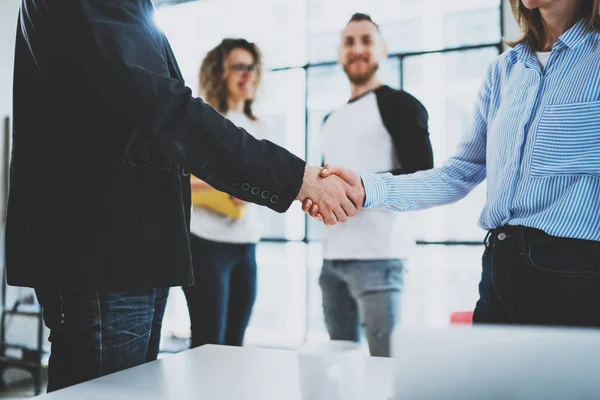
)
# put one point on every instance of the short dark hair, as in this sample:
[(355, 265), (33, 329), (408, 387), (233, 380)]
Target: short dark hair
[(357, 17)]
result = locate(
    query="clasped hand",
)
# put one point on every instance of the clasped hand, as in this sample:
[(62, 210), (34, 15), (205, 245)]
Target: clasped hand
[(332, 194)]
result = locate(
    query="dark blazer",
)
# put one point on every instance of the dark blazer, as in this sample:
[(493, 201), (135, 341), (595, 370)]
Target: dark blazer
[(104, 134)]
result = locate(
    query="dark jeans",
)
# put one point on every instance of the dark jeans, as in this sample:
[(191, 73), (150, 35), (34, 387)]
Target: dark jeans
[(532, 278), (221, 301), (100, 333)]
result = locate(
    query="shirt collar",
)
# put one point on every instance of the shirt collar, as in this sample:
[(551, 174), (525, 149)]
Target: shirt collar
[(572, 38), (576, 35)]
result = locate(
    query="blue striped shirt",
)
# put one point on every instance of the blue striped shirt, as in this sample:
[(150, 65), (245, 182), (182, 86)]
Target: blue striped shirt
[(535, 137)]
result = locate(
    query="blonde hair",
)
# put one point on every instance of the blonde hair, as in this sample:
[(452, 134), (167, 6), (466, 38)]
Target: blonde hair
[(213, 87)]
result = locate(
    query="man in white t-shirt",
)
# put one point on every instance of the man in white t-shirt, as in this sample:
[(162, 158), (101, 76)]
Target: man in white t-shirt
[(380, 129)]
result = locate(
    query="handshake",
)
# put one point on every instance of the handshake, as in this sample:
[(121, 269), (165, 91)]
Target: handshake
[(331, 194)]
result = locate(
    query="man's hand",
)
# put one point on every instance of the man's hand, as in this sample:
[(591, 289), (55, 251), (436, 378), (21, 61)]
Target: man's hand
[(352, 178), (335, 199)]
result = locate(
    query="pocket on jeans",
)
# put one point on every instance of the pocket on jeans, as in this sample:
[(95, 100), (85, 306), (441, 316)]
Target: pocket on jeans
[(568, 258), (567, 141)]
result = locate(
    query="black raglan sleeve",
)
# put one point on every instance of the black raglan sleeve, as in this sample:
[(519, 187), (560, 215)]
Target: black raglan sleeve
[(406, 120)]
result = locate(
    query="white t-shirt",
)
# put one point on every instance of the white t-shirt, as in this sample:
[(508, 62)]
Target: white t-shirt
[(355, 136), (542, 57), (213, 226)]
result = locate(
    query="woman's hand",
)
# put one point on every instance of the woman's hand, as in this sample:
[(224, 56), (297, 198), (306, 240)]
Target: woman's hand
[(239, 203), (199, 185)]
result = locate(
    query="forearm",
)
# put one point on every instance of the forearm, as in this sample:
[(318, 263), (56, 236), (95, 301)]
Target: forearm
[(423, 189)]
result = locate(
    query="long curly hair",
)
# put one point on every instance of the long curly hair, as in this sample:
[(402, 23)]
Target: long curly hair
[(213, 87)]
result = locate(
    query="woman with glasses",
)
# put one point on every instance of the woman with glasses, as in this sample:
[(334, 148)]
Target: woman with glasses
[(223, 247)]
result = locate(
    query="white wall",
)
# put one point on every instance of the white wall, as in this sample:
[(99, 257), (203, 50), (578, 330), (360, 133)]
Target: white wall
[(8, 22), (511, 28)]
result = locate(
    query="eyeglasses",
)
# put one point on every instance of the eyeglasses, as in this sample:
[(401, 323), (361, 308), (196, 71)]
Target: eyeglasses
[(245, 68)]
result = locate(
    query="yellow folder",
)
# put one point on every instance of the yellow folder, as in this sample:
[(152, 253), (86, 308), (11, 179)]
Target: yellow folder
[(218, 202)]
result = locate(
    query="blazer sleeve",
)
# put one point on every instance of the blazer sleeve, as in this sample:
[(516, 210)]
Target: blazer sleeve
[(117, 45)]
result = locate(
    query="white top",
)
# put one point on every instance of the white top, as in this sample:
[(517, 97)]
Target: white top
[(218, 373), (354, 136), (542, 57), (213, 226)]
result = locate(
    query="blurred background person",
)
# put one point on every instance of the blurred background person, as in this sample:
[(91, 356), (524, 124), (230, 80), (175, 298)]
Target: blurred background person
[(379, 129), (223, 245), (536, 139)]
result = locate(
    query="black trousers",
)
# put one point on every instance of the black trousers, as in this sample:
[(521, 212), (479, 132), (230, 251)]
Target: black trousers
[(532, 278), (220, 303)]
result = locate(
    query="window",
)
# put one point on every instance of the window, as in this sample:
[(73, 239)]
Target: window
[(447, 84), (439, 50), (285, 118)]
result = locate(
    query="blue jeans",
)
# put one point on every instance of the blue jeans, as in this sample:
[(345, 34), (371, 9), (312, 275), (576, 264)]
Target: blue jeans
[(362, 292), (531, 278), (96, 334), (220, 303)]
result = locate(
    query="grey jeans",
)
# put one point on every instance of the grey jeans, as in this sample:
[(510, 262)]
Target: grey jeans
[(362, 293)]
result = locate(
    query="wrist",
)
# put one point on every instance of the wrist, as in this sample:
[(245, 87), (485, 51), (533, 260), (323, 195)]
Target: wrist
[(309, 173), (363, 192)]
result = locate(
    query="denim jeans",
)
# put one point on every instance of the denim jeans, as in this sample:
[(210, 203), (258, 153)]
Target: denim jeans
[(362, 293), (96, 334), (220, 303), (531, 278)]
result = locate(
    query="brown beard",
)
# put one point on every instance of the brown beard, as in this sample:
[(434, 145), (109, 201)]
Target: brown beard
[(363, 78)]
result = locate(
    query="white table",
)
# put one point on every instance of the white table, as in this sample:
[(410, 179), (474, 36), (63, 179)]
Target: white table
[(217, 373)]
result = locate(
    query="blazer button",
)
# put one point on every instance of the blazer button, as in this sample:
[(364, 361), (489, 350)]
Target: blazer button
[(184, 172), (255, 190), (265, 194), (274, 199), (234, 182), (245, 187)]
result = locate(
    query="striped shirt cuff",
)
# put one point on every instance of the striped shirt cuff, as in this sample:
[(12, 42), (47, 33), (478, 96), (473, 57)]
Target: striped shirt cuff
[(375, 190)]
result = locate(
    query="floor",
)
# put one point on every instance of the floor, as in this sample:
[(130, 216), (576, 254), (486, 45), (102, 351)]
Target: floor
[(439, 281)]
